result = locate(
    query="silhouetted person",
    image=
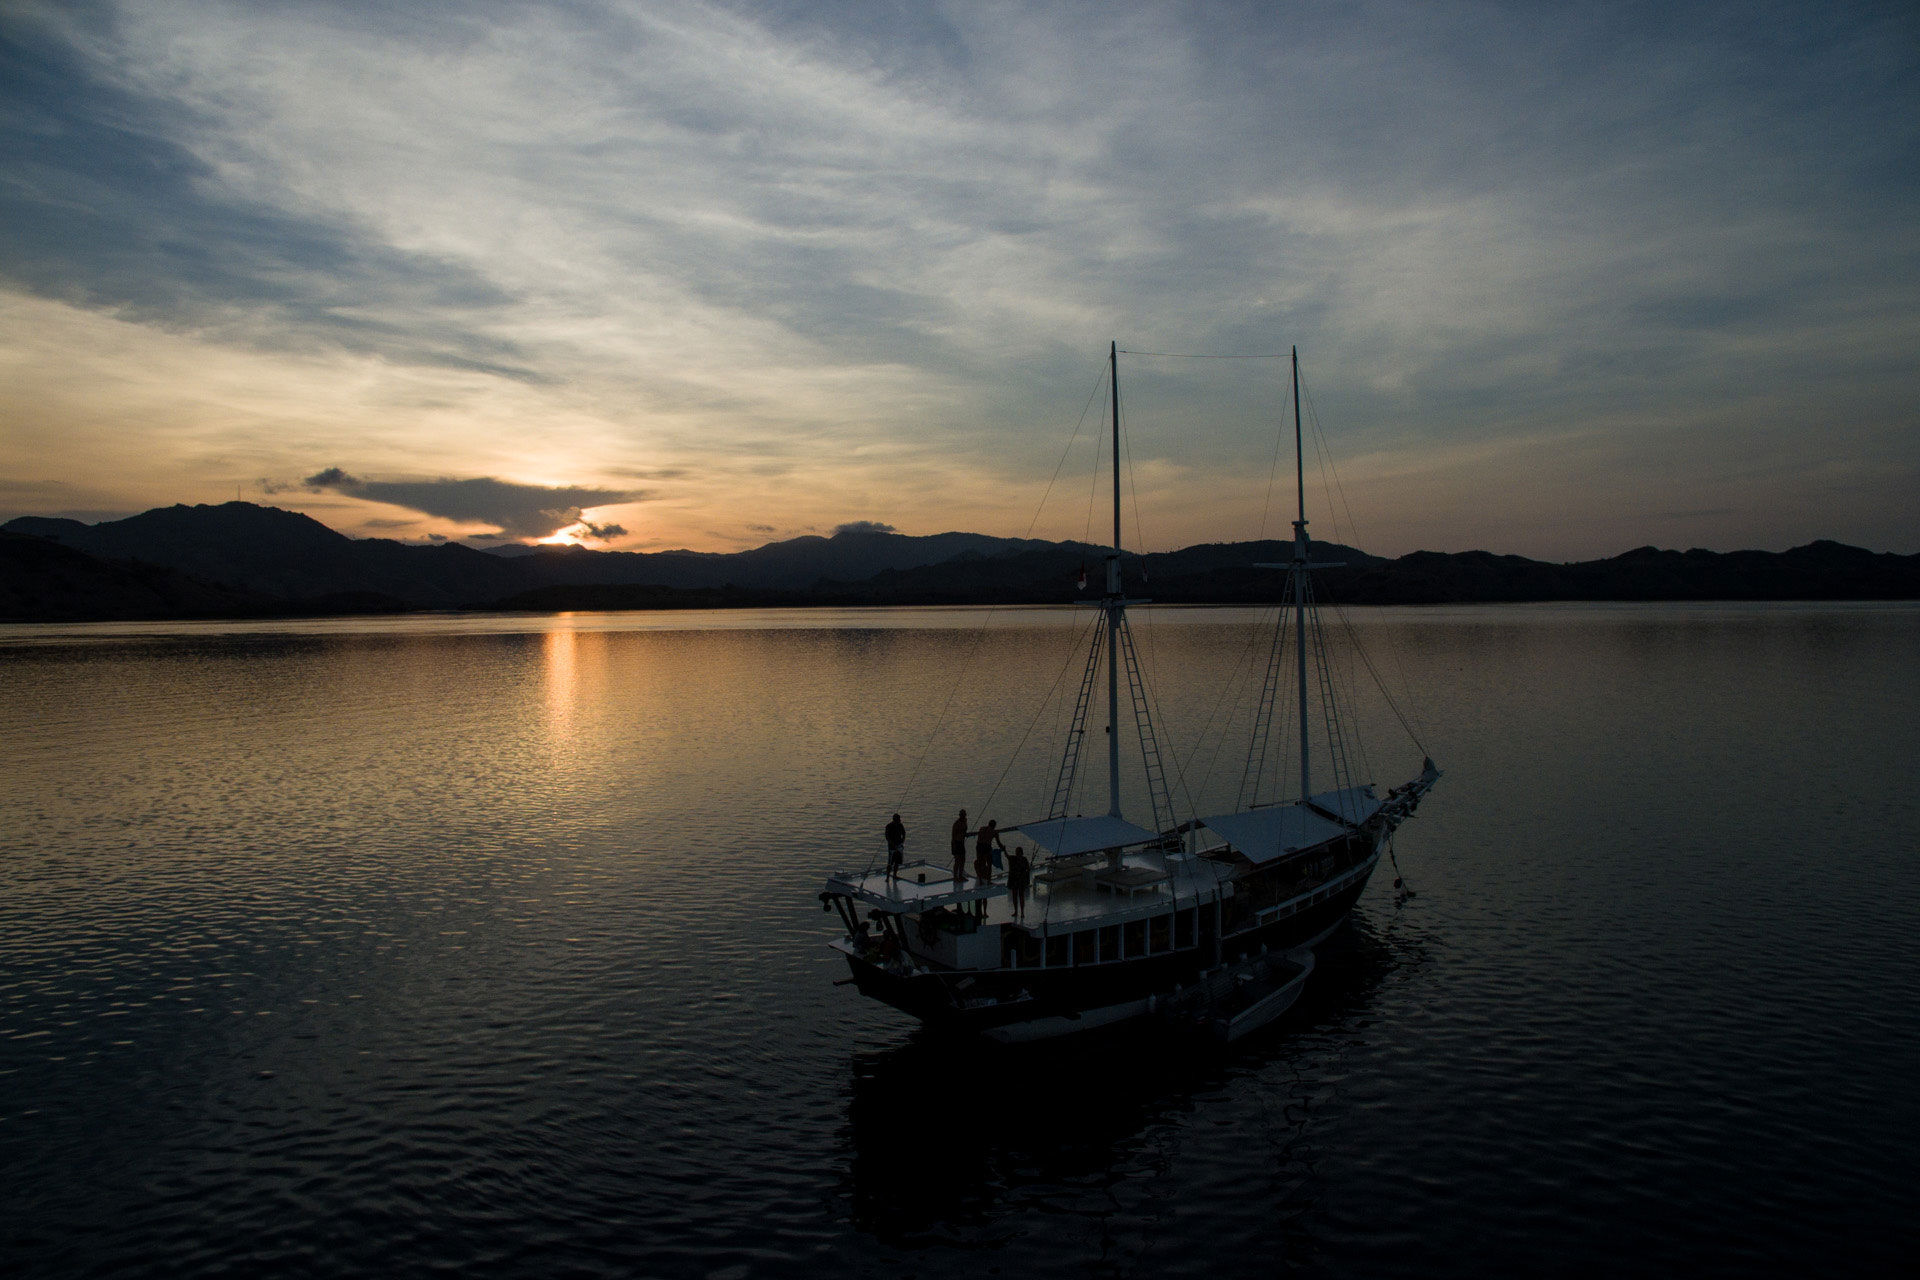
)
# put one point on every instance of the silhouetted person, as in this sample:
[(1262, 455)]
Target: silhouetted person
[(896, 845), (960, 849), (1019, 876), (983, 847)]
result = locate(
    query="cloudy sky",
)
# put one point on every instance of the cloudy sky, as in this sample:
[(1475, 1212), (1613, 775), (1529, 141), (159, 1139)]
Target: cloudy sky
[(1565, 279)]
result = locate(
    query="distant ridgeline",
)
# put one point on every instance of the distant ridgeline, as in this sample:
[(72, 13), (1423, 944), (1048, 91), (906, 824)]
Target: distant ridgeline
[(242, 560)]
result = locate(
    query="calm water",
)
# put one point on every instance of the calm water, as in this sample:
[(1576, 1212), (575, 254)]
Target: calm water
[(336, 948)]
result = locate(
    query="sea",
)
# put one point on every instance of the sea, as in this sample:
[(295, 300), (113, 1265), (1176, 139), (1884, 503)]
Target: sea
[(492, 945)]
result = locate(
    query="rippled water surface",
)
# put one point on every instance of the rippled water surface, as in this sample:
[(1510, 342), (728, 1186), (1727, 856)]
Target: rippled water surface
[(347, 947)]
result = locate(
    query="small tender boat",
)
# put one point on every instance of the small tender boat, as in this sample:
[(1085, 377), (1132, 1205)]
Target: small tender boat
[(1256, 999), (1233, 1000), (1210, 921)]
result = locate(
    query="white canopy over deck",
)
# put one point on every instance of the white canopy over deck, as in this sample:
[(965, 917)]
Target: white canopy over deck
[(1354, 804), (1064, 837), (1275, 831)]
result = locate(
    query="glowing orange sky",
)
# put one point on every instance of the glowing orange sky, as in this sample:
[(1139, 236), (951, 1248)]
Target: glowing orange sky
[(710, 275)]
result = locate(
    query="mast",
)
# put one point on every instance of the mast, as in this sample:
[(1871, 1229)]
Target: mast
[(1299, 574), (1115, 605)]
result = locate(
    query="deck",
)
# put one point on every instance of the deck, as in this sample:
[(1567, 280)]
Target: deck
[(1065, 893)]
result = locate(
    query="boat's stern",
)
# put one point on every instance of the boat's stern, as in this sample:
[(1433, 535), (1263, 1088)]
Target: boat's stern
[(881, 913)]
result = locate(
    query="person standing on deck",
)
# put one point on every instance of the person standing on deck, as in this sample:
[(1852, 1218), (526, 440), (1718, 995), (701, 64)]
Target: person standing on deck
[(983, 850), (1019, 876), (960, 849), (896, 845)]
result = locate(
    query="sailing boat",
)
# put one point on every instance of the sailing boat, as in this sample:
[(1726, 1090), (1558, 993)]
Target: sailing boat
[(1207, 924)]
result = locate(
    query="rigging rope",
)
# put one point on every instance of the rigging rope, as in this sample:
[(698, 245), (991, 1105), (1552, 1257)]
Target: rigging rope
[(1093, 484), (1190, 355), (1179, 773), (1231, 686), (1045, 702), (1378, 682), (1147, 686), (1133, 489), (1262, 729), (980, 632), (1324, 455)]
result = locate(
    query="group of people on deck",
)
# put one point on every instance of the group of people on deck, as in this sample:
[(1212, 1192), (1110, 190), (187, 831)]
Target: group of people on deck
[(988, 850)]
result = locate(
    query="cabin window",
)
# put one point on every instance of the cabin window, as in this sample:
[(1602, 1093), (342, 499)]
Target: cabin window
[(1083, 947), (1136, 938), (1110, 942), (1183, 928), (1160, 934), (1057, 950)]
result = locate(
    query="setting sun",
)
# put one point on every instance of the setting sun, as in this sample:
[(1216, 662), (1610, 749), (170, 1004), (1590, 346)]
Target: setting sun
[(571, 536)]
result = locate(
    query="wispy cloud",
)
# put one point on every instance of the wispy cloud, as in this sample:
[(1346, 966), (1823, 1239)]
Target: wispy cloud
[(805, 261), (109, 205)]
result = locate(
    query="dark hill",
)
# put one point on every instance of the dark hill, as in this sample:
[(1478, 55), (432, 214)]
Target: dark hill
[(240, 558), (1048, 573), (1817, 571), (42, 581), (284, 556), (791, 565), (287, 556)]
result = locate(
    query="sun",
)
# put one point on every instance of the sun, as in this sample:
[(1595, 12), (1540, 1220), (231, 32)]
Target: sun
[(567, 537)]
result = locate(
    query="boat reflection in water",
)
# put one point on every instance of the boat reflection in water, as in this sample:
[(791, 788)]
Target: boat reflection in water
[(956, 1140)]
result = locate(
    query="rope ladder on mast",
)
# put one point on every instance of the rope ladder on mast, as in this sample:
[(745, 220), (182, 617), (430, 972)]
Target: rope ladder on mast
[(1159, 795), (1256, 766), (1076, 736)]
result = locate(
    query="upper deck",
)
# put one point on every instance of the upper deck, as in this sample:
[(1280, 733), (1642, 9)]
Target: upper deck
[(1066, 893)]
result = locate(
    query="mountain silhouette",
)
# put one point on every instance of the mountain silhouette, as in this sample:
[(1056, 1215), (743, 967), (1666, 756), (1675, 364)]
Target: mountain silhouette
[(792, 565), (42, 581), (241, 559), (289, 556)]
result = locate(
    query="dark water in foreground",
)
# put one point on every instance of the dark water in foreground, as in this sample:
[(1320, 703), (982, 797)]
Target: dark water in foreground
[(491, 945)]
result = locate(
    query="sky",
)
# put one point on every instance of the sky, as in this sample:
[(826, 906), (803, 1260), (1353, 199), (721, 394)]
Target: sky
[(1565, 280)]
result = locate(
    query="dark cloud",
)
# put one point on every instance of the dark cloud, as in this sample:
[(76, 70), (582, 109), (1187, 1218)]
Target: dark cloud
[(863, 526), (519, 510), (602, 532)]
